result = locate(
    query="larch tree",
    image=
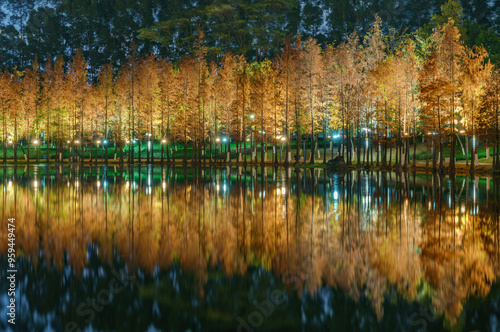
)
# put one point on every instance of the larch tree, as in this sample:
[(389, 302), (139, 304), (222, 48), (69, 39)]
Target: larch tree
[(297, 92), (93, 113), (166, 82), (347, 77), (451, 53), (411, 103), (59, 103), (200, 106), (240, 106), (263, 79), (487, 120), (16, 109), (386, 103), (283, 65), (325, 93), (433, 91), (149, 97), (47, 101), (276, 123), (141, 116), (186, 102), (373, 70), (127, 81), (77, 86), (311, 71), (475, 72), (5, 102), (399, 123), (31, 91), (489, 113), (213, 80), (226, 110), (105, 87)]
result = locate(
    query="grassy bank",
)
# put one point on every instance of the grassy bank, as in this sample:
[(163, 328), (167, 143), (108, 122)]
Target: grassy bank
[(176, 156)]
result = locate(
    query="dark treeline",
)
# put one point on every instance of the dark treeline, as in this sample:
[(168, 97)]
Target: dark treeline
[(105, 29)]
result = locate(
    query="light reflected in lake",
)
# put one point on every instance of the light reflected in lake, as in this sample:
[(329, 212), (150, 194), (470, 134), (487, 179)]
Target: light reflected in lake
[(362, 250)]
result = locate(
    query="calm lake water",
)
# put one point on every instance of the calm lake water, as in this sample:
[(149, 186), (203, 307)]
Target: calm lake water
[(221, 249)]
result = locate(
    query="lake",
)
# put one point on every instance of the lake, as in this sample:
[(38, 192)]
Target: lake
[(255, 249)]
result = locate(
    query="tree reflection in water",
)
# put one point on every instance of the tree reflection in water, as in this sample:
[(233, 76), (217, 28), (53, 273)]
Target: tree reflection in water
[(360, 251)]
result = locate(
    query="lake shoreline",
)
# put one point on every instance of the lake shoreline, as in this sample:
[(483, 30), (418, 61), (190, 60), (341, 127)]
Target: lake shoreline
[(460, 169)]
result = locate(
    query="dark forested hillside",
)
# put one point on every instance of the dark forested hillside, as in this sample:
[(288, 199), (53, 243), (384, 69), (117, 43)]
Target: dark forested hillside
[(106, 29)]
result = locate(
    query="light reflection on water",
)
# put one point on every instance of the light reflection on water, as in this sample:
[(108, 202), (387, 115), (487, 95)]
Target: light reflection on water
[(365, 251)]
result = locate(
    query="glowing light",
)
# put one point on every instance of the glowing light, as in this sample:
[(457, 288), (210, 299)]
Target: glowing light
[(35, 184), (77, 184), (98, 142), (10, 184), (278, 191), (98, 184), (76, 142), (127, 141), (164, 141), (283, 138), (127, 184), (217, 187), (35, 142), (10, 142), (164, 185), (66, 142), (105, 142), (252, 116), (366, 129), (335, 195), (336, 136), (248, 139), (462, 131), (149, 144), (217, 139), (224, 139)]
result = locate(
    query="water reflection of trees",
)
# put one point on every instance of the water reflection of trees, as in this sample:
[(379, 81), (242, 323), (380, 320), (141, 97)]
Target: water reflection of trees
[(432, 238)]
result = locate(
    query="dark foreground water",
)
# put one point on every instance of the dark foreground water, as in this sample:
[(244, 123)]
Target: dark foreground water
[(162, 249)]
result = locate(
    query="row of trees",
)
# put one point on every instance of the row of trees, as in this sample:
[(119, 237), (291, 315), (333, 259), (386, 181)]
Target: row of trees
[(255, 28), (375, 96)]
